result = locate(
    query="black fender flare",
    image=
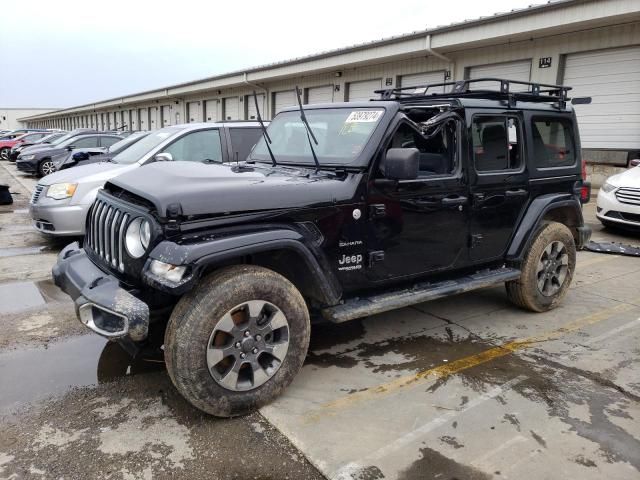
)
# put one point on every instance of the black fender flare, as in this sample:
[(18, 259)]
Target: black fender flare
[(532, 220), (218, 249)]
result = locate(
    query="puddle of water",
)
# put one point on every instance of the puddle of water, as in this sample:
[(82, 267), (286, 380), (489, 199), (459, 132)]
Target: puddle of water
[(36, 373), (15, 251), (18, 296)]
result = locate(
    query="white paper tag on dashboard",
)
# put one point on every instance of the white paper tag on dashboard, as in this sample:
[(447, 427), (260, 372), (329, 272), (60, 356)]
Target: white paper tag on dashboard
[(362, 116)]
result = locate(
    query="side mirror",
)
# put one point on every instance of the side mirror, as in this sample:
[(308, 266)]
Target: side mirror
[(634, 163), (70, 147), (163, 157), (401, 163)]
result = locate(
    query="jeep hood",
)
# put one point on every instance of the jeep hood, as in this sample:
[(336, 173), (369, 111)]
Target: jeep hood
[(87, 173), (207, 189)]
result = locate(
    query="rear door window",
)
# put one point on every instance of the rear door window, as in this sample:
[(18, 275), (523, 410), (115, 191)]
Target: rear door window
[(497, 143), (243, 140), (86, 142), (552, 142), (108, 141)]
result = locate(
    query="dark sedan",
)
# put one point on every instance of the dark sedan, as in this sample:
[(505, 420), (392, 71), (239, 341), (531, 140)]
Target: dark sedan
[(46, 140), (41, 161), (85, 156)]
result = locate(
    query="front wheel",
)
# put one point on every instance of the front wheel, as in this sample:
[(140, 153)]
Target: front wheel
[(46, 167), (547, 270), (237, 340), (4, 153)]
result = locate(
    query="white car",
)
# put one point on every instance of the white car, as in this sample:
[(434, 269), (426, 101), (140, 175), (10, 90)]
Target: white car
[(619, 199), (60, 201)]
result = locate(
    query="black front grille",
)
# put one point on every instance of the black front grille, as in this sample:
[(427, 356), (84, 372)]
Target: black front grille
[(36, 194), (106, 227)]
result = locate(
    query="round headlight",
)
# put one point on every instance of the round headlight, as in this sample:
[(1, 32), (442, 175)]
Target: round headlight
[(137, 237), (145, 233)]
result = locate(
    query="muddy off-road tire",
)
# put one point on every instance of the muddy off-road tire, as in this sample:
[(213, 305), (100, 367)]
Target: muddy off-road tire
[(237, 340), (547, 269)]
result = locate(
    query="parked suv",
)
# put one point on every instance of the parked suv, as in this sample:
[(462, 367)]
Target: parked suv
[(340, 211), (61, 200), (42, 162)]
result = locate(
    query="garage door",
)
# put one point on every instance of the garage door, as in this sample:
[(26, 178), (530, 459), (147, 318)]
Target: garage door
[(251, 106), (520, 70), (320, 94), (154, 118), (133, 116), (165, 113), (612, 79), (231, 108), (426, 78), (193, 112), (363, 91), (283, 100), (143, 117), (211, 110)]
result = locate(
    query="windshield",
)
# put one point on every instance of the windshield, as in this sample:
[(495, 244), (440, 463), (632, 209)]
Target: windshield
[(139, 149), (58, 141), (342, 133), (125, 142), (50, 138)]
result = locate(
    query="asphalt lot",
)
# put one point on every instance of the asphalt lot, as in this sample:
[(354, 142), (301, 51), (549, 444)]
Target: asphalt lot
[(467, 387)]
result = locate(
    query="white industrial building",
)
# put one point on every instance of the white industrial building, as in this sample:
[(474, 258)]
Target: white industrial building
[(11, 118), (591, 45)]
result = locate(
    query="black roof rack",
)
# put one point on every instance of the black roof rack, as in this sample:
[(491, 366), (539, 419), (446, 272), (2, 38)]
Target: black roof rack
[(535, 92)]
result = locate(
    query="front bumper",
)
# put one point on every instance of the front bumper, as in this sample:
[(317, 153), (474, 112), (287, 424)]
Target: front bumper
[(610, 210), (101, 304), (58, 220), (26, 166)]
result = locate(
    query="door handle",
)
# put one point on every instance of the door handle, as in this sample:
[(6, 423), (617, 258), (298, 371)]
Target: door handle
[(520, 192), (453, 201)]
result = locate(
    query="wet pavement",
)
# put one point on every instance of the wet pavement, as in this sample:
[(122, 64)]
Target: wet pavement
[(467, 387)]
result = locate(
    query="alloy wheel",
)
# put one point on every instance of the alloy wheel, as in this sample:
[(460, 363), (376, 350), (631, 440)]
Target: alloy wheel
[(47, 168), (553, 267), (4, 153), (248, 345)]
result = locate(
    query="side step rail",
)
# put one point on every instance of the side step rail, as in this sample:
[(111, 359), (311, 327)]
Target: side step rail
[(364, 306)]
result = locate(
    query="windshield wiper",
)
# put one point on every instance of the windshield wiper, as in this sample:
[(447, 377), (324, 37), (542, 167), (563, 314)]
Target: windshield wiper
[(310, 134), (267, 138)]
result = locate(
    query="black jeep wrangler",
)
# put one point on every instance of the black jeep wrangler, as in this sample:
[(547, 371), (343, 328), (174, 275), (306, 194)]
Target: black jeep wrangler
[(340, 211)]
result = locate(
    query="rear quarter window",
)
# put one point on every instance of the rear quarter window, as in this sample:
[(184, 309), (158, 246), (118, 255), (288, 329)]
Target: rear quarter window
[(553, 144)]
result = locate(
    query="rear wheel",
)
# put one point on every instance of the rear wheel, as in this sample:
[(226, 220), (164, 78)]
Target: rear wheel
[(237, 340), (547, 270), (4, 153), (46, 167)]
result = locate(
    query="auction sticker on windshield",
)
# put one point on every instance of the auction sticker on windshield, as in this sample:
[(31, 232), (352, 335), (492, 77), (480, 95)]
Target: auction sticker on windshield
[(363, 116)]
